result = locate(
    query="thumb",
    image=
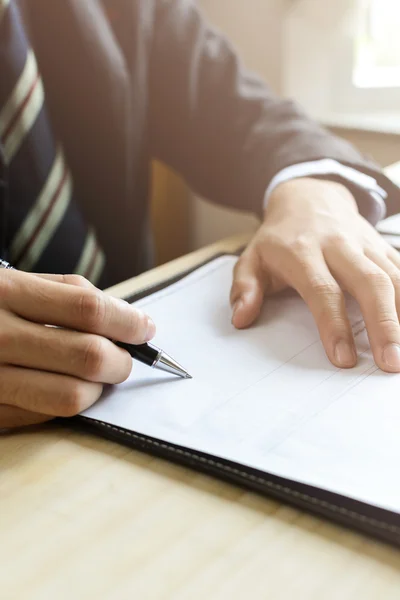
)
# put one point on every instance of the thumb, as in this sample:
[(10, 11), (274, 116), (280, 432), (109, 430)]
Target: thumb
[(247, 293)]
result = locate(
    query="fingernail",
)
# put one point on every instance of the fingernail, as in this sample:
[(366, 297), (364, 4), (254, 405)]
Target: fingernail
[(344, 354), (391, 356), (151, 330)]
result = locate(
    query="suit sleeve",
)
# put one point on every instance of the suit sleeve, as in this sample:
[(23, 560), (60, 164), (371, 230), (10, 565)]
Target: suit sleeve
[(220, 125)]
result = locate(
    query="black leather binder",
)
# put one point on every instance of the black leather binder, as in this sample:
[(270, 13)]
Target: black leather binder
[(371, 520)]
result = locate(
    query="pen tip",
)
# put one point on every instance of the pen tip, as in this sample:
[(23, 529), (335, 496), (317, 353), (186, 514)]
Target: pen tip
[(188, 376)]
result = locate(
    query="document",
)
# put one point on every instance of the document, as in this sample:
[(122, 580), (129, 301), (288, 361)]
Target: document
[(267, 397), (390, 226)]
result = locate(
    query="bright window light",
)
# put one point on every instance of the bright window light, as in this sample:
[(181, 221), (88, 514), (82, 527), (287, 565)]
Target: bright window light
[(378, 45)]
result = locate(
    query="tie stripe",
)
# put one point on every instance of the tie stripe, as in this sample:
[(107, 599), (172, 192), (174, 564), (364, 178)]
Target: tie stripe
[(92, 259), (96, 265), (22, 109), (46, 227), (44, 217), (35, 215), (87, 254)]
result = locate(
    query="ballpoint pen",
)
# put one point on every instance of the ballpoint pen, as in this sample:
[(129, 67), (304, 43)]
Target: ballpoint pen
[(154, 357), (145, 353)]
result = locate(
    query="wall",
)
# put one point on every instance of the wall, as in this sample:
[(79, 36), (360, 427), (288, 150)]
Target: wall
[(383, 147), (255, 26)]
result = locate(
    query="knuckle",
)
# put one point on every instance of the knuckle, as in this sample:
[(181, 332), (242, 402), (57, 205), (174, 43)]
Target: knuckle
[(92, 309), (7, 338), (94, 356), (334, 324), (7, 284), (302, 245), (389, 322), (378, 279), (271, 238), (73, 401), (76, 280), (324, 287), (337, 239)]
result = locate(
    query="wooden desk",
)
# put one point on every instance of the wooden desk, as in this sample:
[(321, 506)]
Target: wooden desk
[(83, 518)]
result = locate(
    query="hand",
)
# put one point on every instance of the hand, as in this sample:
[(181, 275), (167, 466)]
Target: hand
[(314, 240), (47, 372)]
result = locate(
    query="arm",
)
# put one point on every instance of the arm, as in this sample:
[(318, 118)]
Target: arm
[(221, 126), (225, 131)]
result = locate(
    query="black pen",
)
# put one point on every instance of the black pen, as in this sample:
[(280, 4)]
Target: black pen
[(145, 353), (154, 357)]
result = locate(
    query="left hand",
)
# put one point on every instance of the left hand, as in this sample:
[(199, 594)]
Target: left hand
[(314, 240)]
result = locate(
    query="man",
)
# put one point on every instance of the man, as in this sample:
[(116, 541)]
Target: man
[(89, 93)]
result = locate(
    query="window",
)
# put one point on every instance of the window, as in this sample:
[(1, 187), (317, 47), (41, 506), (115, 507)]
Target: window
[(342, 57), (377, 54)]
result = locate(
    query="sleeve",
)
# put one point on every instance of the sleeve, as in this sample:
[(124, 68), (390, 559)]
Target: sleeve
[(368, 194), (220, 126)]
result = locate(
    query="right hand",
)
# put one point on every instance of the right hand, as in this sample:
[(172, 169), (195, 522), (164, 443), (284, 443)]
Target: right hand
[(48, 372)]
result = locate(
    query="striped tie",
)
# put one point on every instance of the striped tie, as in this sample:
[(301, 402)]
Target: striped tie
[(45, 229)]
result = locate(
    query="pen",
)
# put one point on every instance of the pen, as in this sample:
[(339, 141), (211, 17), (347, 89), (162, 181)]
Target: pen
[(154, 357), (145, 353)]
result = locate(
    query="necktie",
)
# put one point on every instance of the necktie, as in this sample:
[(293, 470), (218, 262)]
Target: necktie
[(45, 229)]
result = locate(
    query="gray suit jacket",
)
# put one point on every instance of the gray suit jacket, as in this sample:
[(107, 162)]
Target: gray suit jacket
[(128, 80)]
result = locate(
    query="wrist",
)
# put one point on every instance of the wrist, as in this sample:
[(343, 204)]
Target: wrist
[(295, 194)]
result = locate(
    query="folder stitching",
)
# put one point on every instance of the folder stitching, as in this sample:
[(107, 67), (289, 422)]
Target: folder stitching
[(275, 486)]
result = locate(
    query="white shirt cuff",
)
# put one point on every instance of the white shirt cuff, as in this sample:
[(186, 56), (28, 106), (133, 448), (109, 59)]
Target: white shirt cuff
[(328, 166)]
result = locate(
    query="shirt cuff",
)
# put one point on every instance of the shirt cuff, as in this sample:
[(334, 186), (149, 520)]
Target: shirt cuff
[(327, 166)]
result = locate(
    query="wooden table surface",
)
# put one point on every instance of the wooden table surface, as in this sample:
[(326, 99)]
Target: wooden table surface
[(83, 518)]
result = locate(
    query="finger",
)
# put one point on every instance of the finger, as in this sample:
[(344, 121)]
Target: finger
[(76, 280), (247, 292), (394, 256), (373, 289), (48, 394), (73, 307), (83, 355), (387, 265), (314, 282), (13, 418)]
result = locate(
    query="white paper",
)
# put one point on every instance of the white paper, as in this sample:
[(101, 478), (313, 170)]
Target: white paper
[(393, 240), (267, 397), (391, 225)]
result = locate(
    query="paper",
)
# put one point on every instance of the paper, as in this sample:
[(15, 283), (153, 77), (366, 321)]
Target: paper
[(393, 240), (390, 230), (390, 226), (267, 397)]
